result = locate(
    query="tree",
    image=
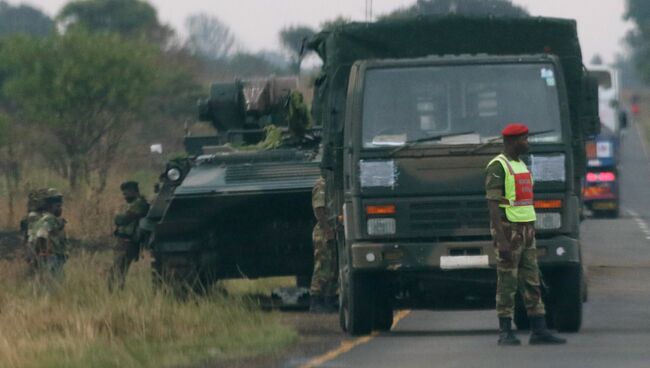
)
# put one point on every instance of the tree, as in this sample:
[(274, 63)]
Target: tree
[(465, 7), (130, 18), (597, 60), (292, 38), (23, 19), (336, 22), (85, 88), (638, 11), (208, 37)]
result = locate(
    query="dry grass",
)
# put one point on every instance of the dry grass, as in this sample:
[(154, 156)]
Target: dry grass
[(89, 215), (80, 324)]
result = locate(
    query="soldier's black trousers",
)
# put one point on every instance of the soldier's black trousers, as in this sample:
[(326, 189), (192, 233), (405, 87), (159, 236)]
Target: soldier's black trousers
[(126, 253)]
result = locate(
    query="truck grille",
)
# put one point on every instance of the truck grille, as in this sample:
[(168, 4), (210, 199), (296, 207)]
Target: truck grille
[(450, 217)]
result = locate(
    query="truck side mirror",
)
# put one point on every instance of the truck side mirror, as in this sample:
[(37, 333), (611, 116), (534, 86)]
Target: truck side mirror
[(589, 117), (622, 119)]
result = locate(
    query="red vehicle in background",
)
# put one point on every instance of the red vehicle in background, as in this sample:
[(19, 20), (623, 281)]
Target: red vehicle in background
[(601, 187)]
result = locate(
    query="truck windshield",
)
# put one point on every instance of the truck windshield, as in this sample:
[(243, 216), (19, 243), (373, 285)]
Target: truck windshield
[(406, 104)]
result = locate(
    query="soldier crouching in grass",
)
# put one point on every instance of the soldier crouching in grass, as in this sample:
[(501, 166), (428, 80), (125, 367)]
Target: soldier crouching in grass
[(47, 240), (127, 249), (509, 191)]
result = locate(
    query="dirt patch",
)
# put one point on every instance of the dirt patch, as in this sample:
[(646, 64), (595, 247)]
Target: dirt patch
[(318, 333)]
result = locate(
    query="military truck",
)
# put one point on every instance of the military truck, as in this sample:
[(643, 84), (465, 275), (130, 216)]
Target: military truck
[(233, 207), (411, 112)]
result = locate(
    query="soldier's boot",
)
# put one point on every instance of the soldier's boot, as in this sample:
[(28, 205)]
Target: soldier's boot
[(506, 335), (540, 335), (317, 304)]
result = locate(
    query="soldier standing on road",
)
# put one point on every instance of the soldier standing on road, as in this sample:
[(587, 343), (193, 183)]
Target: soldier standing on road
[(509, 191), (127, 249), (324, 280), (46, 237)]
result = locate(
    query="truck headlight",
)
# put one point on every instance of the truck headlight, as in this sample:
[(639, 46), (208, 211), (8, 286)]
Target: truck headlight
[(381, 226), (174, 174), (548, 221)]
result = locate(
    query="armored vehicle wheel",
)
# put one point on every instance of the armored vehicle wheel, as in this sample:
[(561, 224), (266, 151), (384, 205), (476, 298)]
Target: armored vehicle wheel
[(355, 309), (177, 274), (567, 309)]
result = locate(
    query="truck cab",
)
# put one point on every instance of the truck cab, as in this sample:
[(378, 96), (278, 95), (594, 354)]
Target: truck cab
[(406, 151)]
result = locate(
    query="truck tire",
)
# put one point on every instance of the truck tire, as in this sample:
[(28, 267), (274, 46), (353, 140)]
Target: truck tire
[(567, 309), (355, 309), (383, 307)]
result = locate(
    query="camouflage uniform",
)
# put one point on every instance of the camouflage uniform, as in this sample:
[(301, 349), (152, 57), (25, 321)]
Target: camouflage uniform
[(522, 273), (127, 249), (35, 204), (50, 257), (324, 278)]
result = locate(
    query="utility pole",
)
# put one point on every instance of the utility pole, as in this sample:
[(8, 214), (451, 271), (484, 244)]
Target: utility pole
[(369, 11)]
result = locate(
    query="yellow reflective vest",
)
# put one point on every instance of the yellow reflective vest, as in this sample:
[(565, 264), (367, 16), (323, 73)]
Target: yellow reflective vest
[(518, 202)]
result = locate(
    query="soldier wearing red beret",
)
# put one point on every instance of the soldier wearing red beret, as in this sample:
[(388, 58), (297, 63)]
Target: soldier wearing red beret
[(509, 191)]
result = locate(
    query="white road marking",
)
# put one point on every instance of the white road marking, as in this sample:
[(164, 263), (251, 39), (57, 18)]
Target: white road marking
[(643, 226)]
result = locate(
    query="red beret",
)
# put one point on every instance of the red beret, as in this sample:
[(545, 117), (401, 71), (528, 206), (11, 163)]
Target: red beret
[(514, 129)]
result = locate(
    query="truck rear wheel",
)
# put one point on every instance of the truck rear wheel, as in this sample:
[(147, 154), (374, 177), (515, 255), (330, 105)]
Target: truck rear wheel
[(568, 296), (355, 309)]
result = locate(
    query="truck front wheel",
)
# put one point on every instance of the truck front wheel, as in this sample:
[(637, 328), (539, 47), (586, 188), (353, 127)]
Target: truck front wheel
[(383, 306), (355, 308), (567, 309)]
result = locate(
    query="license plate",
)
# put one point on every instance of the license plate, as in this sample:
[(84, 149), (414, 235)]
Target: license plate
[(461, 262), (604, 205)]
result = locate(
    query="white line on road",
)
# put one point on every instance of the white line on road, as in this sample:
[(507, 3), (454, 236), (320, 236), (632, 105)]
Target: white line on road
[(643, 226)]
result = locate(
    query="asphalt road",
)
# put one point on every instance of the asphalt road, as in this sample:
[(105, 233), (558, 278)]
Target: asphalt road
[(616, 324)]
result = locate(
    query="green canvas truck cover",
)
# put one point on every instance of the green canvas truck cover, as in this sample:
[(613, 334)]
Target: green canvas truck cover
[(418, 37)]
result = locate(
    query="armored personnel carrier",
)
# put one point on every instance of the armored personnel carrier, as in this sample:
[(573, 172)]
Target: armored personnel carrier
[(235, 207)]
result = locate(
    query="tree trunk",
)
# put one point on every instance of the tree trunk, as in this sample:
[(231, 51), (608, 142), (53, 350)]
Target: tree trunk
[(12, 175)]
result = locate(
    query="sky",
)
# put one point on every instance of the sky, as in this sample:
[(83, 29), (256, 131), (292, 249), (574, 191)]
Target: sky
[(256, 23)]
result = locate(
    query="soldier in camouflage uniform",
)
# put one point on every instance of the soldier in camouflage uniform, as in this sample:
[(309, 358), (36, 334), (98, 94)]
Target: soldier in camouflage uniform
[(324, 280), (35, 207), (47, 240), (127, 249), (509, 191)]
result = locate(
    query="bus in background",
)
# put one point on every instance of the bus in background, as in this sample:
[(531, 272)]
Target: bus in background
[(601, 188)]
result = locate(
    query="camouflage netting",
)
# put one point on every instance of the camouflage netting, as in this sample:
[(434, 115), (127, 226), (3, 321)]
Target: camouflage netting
[(341, 46)]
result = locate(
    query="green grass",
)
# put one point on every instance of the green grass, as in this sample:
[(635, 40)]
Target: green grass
[(80, 324)]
